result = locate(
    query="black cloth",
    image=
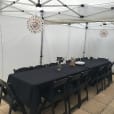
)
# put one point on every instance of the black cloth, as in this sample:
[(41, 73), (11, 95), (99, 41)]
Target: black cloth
[(94, 63), (27, 84)]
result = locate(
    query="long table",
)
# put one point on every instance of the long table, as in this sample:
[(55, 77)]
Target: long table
[(27, 84)]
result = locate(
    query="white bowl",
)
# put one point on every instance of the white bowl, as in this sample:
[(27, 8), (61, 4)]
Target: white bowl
[(80, 62)]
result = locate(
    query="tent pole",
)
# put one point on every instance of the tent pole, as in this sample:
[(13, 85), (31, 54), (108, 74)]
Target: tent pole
[(2, 53), (84, 49), (42, 39)]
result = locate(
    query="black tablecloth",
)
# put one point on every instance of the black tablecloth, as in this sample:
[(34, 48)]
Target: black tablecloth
[(26, 84), (92, 63)]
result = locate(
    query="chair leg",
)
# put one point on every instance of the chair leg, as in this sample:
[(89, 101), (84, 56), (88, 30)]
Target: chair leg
[(97, 88), (53, 108), (86, 89), (65, 104), (0, 94), (10, 110), (106, 82), (79, 98), (23, 110), (69, 108), (102, 85)]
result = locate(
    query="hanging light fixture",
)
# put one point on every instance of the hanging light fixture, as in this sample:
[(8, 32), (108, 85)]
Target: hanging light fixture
[(103, 33), (35, 24)]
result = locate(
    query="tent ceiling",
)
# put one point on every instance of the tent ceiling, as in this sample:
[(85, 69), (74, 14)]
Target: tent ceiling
[(61, 11)]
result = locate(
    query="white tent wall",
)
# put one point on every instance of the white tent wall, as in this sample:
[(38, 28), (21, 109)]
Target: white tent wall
[(0, 46), (98, 46), (62, 40), (22, 48)]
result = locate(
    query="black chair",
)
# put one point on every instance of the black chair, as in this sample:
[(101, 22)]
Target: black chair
[(73, 88), (78, 59), (52, 64), (108, 76), (39, 66), (98, 77), (84, 58), (68, 61), (92, 74), (9, 96), (55, 92), (84, 81), (3, 89), (23, 69), (91, 58), (75, 84)]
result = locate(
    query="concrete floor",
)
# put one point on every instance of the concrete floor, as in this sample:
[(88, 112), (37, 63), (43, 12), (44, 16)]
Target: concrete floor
[(102, 103)]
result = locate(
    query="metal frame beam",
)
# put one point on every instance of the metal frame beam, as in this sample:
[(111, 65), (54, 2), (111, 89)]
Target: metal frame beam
[(69, 8), (9, 4)]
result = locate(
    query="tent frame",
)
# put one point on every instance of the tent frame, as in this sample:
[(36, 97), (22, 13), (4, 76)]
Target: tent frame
[(44, 4)]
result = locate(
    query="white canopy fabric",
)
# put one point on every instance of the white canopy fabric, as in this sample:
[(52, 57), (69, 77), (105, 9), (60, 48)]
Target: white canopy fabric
[(61, 11)]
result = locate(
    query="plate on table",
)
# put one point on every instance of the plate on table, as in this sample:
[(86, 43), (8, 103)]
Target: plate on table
[(80, 63)]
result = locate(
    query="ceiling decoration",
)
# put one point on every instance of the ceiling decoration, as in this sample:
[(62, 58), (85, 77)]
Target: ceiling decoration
[(103, 33), (35, 24)]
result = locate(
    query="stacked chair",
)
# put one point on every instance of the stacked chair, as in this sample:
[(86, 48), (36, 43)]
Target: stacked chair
[(8, 95)]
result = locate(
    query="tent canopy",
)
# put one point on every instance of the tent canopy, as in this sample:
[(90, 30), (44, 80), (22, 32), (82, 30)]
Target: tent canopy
[(61, 11)]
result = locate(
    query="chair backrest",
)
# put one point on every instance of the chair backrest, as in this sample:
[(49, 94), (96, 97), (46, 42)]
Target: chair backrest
[(23, 69), (3, 83), (11, 98), (68, 61), (109, 67), (3, 86), (3, 89), (59, 83), (84, 58), (102, 69), (74, 78), (8, 93), (38, 66), (91, 58), (52, 64), (86, 76), (78, 59)]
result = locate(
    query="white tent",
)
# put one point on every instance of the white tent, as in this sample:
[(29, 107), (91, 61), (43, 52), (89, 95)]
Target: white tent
[(64, 31), (61, 11)]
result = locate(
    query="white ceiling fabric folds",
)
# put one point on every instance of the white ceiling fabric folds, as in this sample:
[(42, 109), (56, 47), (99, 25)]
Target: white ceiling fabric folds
[(61, 11)]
